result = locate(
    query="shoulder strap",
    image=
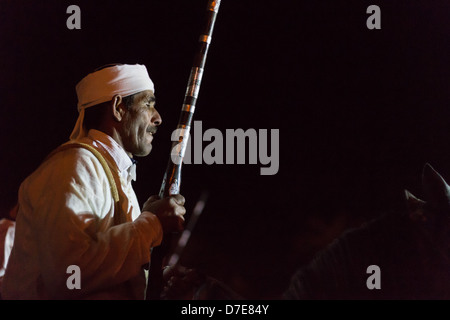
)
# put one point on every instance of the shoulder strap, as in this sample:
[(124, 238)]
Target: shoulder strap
[(97, 154)]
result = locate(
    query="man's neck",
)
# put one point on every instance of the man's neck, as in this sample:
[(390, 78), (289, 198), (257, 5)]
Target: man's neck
[(114, 134)]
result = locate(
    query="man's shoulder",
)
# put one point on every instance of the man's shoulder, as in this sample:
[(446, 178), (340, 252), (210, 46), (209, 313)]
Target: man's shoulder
[(68, 161), (74, 152)]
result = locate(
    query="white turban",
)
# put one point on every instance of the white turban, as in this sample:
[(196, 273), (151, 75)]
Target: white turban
[(101, 86)]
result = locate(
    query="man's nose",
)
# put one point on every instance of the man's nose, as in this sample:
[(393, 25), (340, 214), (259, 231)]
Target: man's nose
[(156, 118)]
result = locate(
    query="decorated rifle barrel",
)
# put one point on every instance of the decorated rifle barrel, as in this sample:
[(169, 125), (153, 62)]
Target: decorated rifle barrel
[(172, 177)]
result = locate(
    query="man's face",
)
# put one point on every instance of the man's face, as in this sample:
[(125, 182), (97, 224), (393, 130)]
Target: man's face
[(140, 123)]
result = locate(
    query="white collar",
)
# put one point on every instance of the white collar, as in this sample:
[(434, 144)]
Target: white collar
[(126, 167)]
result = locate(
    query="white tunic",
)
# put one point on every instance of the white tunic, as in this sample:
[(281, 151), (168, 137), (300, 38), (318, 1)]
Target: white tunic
[(65, 218)]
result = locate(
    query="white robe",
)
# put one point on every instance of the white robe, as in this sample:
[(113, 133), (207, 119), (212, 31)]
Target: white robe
[(65, 218)]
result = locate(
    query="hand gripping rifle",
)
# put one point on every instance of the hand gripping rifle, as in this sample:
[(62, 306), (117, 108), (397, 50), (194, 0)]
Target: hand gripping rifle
[(172, 177)]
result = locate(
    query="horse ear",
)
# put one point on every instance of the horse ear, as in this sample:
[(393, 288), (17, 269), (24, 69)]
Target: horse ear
[(436, 190), (412, 201), (415, 207)]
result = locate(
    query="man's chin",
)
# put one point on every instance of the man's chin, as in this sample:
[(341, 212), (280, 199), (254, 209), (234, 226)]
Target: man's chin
[(143, 152)]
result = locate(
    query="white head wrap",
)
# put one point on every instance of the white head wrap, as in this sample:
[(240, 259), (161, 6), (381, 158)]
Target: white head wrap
[(101, 86)]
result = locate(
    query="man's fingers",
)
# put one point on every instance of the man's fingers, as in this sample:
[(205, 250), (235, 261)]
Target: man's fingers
[(153, 198), (177, 199), (180, 211), (170, 211)]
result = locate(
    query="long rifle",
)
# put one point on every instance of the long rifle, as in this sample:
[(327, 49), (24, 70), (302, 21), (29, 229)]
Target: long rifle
[(172, 177)]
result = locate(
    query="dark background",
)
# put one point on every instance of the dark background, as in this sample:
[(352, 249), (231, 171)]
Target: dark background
[(359, 112)]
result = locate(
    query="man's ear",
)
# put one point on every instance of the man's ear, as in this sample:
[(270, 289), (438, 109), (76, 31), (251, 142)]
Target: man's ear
[(118, 109)]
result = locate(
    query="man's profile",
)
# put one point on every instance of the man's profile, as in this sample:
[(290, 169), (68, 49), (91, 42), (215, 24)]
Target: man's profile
[(78, 208)]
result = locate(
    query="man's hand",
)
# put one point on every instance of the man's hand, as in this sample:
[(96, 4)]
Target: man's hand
[(170, 211)]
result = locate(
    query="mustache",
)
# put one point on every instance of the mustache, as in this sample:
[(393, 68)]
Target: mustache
[(152, 129)]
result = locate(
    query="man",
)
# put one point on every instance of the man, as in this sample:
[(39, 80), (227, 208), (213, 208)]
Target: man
[(78, 215)]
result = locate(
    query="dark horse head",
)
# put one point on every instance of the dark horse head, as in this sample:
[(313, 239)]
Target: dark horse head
[(404, 255), (400, 255)]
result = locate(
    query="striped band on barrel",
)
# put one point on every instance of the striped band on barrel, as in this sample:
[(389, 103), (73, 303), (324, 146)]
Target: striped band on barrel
[(185, 119), (183, 127), (194, 82), (188, 108), (214, 5), (205, 38)]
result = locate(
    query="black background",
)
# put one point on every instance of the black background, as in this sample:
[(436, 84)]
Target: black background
[(359, 112)]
